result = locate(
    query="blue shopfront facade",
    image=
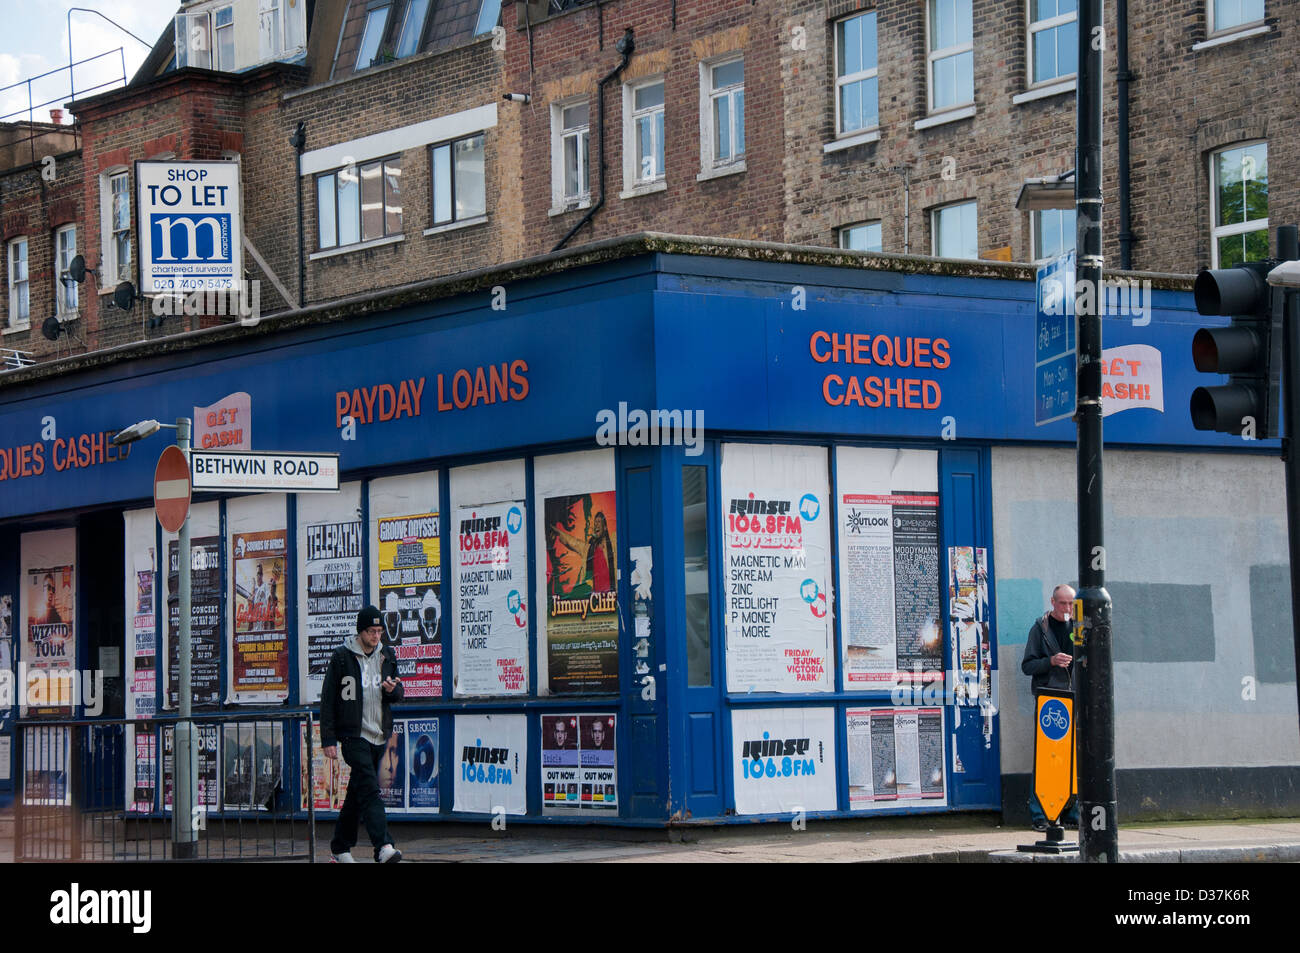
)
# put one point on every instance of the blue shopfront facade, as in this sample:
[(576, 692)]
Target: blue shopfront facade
[(785, 353)]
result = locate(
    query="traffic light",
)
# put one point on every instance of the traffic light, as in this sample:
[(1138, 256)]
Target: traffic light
[(1249, 351)]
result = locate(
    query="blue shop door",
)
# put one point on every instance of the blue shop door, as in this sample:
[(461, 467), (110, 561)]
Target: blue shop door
[(644, 769), (696, 615), (973, 757)]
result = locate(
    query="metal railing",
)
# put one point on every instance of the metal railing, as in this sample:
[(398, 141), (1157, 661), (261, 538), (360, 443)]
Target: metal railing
[(102, 790), (33, 108)]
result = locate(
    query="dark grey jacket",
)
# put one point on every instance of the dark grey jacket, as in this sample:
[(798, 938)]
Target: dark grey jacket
[(340, 711), (1040, 646)]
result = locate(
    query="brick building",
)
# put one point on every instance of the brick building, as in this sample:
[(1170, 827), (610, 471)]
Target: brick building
[(479, 225), (897, 127)]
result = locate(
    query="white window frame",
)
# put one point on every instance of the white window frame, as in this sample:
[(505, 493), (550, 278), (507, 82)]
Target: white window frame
[(561, 202), (357, 170), (1238, 228), (842, 234), (215, 32), (710, 165), (633, 181), (840, 80), (65, 310), (934, 228), (932, 56), (1038, 26), (455, 219), (187, 55), (19, 322), (110, 273), (1213, 29)]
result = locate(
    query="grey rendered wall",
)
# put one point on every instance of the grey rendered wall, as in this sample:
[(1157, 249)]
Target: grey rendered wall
[(1197, 569)]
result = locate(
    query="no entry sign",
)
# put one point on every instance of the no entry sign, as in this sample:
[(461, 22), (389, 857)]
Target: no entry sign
[(171, 489)]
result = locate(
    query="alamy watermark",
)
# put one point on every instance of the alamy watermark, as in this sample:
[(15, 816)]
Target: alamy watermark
[(1125, 297), (243, 301), (653, 428), (38, 687)]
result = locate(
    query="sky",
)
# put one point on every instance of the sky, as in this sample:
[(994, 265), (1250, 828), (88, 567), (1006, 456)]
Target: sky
[(34, 40)]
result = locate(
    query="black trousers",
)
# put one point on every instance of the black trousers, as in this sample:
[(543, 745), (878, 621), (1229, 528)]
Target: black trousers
[(362, 801)]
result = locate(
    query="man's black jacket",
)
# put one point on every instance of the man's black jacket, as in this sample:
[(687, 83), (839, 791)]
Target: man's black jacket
[(1040, 646), (340, 717)]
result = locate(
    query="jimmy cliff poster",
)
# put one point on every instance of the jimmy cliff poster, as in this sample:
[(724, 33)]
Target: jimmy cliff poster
[(259, 657), (582, 599)]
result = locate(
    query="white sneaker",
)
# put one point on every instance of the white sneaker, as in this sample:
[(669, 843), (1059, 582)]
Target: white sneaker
[(343, 858), (388, 854)]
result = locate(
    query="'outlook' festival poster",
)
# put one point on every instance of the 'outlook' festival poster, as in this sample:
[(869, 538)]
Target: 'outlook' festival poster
[(260, 652), (410, 600), (582, 597)]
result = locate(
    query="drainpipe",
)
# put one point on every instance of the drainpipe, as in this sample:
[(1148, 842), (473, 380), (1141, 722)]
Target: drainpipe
[(1124, 77), (299, 141), (625, 46)]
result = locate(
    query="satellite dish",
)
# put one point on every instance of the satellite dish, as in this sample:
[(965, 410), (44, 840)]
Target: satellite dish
[(51, 329), (77, 269), (124, 296)]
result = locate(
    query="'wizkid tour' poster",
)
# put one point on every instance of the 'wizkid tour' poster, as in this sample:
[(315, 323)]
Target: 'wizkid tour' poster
[(581, 586), (410, 587), (50, 644)]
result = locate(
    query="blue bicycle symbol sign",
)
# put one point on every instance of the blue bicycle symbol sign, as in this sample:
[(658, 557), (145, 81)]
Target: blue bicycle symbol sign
[(1055, 719)]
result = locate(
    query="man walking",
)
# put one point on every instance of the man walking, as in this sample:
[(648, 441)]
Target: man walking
[(356, 715), (1049, 655)]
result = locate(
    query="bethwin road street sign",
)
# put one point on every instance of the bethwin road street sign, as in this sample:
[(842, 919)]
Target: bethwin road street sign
[(171, 489), (265, 472)]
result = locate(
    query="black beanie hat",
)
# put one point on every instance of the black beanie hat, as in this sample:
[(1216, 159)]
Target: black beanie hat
[(367, 617)]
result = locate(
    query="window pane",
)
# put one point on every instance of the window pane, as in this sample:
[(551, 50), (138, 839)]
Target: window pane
[(488, 15), (1242, 183), (471, 192), (695, 533), (729, 74), (412, 27), (848, 45), (571, 169), (647, 162), (647, 96), (869, 41), (349, 207), (1054, 231), (372, 201), (963, 21), (575, 117), (326, 237), (965, 77), (862, 237), (586, 163), (393, 197), (739, 120), (376, 20), (1067, 48), (955, 232), (942, 32), (442, 184), (122, 249), (858, 105), (945, 82), (659, 143), (721, 128)]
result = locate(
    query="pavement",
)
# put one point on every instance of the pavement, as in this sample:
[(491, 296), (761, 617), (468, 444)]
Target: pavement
[(946, 839)]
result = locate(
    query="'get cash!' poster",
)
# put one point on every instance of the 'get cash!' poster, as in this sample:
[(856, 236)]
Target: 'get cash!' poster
[(410, 600)]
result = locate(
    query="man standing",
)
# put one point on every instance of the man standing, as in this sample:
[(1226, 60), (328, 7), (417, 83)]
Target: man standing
[(1049, 655), (356, 715)]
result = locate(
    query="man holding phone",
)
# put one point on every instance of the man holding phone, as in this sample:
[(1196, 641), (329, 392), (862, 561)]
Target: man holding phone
[(1049, 655), (356, 715)]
